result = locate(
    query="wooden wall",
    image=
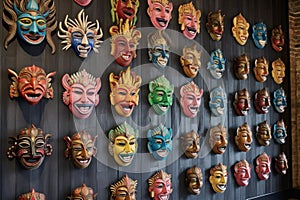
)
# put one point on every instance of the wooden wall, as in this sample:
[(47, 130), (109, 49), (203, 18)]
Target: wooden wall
[(57, 177)]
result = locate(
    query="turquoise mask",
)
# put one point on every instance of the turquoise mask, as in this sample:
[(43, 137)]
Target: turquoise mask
[(279, 132), (217, 101), (279, 100), (259, 35), (216, 64)]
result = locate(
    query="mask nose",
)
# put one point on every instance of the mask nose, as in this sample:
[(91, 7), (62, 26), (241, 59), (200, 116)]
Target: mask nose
[(33, 83), (84, 40), (34, 29)]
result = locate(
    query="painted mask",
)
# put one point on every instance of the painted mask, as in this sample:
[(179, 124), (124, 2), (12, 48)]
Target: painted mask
[(279, 132), (32, 84), (262, 101), (281, 163), (81, 93), (277, 39), (259, 35), (215, 25), (158, 49), (242, 102), (217, 102), (160, 186), (243, 138), (216, 64), (124, 189), (30, 147), (240, 29), (33, 21), (80, 148), (160, 142), (33, 195), (278, 70), (123, 144), (190, 100), (194, 180), (242, 172), (242, 67), (218, 178), (160, 13), (263, 166), (191, 144), (80, 34), (279, 100), (190, 61), (160, 95), (189, 19), (122, 10), (124, 95), (218, 139), (83, 2), (263, 133), (261, 69), (83, 192), (124, 41)]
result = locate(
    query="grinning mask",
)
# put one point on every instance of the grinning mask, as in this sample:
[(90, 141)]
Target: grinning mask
[(240, 29), (216, 64), (242, 172), (279, 100), (242, 102), (160, 13), (194, 180), (281, 163), (278, 70), (242, 67), (215, 25), (259, 35), (160, 186), (263, 166), (261, 69), (277, 38), (279, 132), (243, 138), (263, 133), (218, 100), (191, 144), (262, 101), (83, 193), (124, 189), (122, 10), (190, 61), (218, 178), (218, 139)]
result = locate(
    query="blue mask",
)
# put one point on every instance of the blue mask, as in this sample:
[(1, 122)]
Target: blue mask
[(279, 132), (83, 42), (279, 100), (217, 101), (259, 35), (159, 55), (216, 65)]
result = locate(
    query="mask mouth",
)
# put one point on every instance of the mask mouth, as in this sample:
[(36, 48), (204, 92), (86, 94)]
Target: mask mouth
[(162, 61), (194, 68), (126, 158), (222, 149), (221, 187), (129, 12), (162, 152), (31, 161), (262, 42), (244, 111), (162, 22), (127, 107), (191, 30), (84, 108), (265, 109), (194, 109), (163, 107), (163, 197), (34, 38), (83, 50), (83, 162), (247, 146)]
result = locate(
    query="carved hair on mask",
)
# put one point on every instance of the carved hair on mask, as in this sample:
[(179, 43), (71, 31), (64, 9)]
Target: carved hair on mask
[(218, 139), (241, 66), (277, 38), (33, 195), (32, 21), (160, 13), (243, 137), (240, 29), (123, 144), (279, 100), (263, 133), (218, 178), (30, 147), (215, 25), (216, 64), (80, 34), (81, 93), (80, 148), (123, 189), (261, 69), (160, 185), (278, 70), (242, 102), (262, 101), (281, 163), (83, 192), (190, 61), (263, 166), (279, 132), (83, 2), (191, 144), (189, 19), (194, 180), (124, 95), (259, 35), (217, 102), (122, 10), (242, 172), (32, 84)]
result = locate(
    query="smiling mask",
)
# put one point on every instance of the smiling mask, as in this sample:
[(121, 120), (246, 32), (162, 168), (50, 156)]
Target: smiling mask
[(160, 186), (160, 13), (190, 61), (215, 25), (216, 64), (124, 189), (218, 178)]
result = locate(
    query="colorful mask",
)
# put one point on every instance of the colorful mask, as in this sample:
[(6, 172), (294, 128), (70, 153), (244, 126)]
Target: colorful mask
[(160, 142), (262, 101), (190, 100), (30, 147), (261, 69), (241, 67), (124, 95), (190, 61), (33, 21), (122, 10), (278, 70), (243, 138), (191, 144), (160, 186), (32, 84), (279, 132), (189, 19), (81, 95), (158, 49), (242, 102), (216, 64), (123, 144), (281, 163), (215, 25), (263, 166), (83, 2), (124, 189), (279, 100), (33, 195), (218, 178), (217, 102), (259, 35), (194, 180), (277, 38), (80, 148), (263, 133), (240, 29), (80, 34), (218, 139), (83, 192), (242, 172), (160, 95), (124, 41), (160, 13)]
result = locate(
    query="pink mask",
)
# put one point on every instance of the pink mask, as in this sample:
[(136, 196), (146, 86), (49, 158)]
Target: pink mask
[(83, 2), (242, 171), (160, 186), (263, 166), (160, 13)]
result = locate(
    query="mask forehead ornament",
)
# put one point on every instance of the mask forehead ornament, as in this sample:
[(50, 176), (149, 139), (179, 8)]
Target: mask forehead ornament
[(218, 100), (83, 192), (160, 185), (218, 139), (191, 144), (277, 38), (279, 131), (216, 64), (215, 25), (263, 133), (218, 178), (240, 29), (278, 70), (242, 172), (160, 13), (190, 61), (262, 101), (259, 35), (279, 100), (243, 137), (194, 180), (281, 163), (33, 195), (242, 102), (122, 10), (263, 166), (242, 66), (123, 189)]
